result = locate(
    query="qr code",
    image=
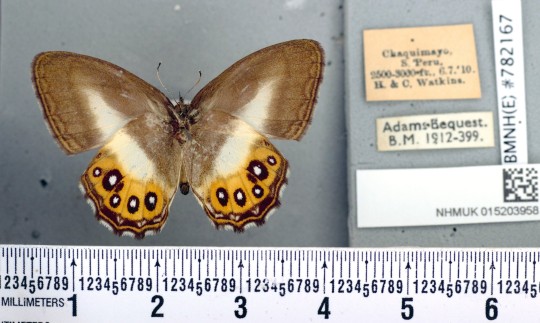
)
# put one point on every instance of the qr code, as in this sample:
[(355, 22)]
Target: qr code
[(520, 185)]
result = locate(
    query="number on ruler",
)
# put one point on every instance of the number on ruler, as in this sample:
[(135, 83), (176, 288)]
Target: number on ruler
[(408, 309), (491, 309), (324, 309), (242, 312), (160, 302), (73, 299)]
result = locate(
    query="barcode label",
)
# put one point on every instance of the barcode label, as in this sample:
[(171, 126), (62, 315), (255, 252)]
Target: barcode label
[(520, 184), (440, 196)]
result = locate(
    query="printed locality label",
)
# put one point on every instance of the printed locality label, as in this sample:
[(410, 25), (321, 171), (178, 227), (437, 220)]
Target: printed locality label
[(436, 196), (436, 131), (422, 63)]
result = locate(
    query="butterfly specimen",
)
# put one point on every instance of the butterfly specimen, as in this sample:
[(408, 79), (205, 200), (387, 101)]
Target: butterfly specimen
[(149, 146)]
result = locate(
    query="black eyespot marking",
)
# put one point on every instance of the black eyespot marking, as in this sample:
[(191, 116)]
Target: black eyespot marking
[(271, 160), (222, 196), (240, 197), (97, 172), (258, 191), (115, 200), (150, 201), (258, 169), (133, 204), (112, 178)]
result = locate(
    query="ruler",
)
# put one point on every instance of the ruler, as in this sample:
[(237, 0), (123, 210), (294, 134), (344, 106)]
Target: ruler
[(173, 284)]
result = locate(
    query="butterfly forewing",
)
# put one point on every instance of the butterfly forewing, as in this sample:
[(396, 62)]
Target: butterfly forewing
[(273, 89), (86, 100)]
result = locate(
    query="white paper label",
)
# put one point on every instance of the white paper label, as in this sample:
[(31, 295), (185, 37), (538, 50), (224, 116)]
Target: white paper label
[(508, 46), (421, 63), (437, 196), (436, 131)]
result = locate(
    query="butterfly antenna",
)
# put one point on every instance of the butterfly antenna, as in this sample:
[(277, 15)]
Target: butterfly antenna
[(159, 79), (196, 83)]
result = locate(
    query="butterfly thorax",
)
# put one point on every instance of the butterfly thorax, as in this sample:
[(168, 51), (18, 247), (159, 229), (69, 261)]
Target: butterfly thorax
[(185, 115)]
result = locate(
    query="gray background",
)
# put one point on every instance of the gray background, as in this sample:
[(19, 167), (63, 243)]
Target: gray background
[(40, 202), (362, 150)]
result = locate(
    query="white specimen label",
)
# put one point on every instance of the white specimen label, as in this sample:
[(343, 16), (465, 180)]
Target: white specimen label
[(437, 131), (436, 196), (508, 46)]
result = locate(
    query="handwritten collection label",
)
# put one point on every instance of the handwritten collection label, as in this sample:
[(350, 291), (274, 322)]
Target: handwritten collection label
[(422, 63)]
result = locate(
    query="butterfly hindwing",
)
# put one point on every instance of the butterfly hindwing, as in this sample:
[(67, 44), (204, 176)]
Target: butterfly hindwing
[(235, 172), (133, 179), (86, 100), (274, 89)]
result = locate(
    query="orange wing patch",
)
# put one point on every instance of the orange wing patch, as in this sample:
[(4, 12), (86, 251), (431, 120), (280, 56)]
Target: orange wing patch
[(124, 204), (247, 197)]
